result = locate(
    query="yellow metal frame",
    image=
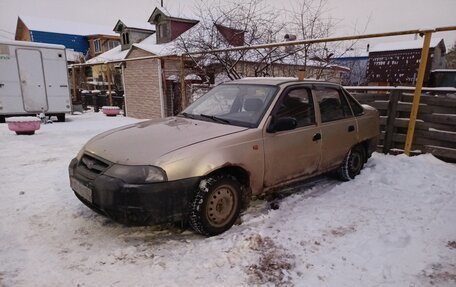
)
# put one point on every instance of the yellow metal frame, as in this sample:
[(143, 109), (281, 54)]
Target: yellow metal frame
[(417, 95)]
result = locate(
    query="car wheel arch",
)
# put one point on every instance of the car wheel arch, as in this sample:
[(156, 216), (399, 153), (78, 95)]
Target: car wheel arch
[(241, 174)]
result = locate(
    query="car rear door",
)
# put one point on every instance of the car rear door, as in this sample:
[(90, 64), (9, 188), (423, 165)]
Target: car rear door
[(293, 153), (339, 130)]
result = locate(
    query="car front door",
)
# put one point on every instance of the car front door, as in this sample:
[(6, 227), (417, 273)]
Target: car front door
[(339, 130), (292, 153)]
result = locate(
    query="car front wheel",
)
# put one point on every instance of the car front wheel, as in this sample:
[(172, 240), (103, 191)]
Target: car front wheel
[(352, 164), (216, 205)]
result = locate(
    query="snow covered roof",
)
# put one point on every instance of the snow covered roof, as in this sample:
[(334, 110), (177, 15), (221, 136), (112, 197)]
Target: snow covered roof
[(111, 55), (135, 25), (174, 13), (354, 53), (150, 45), (65, 27), (405, 45), (73, 56)]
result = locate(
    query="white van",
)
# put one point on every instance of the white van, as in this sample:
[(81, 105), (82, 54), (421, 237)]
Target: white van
[(33, 79)]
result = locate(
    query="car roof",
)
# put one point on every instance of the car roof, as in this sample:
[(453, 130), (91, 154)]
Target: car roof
[(276, 81)]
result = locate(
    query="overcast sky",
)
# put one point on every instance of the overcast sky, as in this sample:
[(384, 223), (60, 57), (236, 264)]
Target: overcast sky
[(379, 15)]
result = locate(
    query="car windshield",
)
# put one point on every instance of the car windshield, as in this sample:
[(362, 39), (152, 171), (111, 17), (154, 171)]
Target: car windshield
[(236, 104)]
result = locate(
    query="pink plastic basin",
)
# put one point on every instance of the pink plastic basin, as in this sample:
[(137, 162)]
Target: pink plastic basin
[(23, 125), (111, 111)]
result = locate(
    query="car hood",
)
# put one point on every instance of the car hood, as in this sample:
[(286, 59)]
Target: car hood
[(143, 143)]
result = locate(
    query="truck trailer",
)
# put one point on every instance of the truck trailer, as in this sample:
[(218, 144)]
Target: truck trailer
[(33, 80)]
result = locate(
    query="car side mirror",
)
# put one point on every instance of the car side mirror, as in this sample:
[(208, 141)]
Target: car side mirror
[(282, 124)]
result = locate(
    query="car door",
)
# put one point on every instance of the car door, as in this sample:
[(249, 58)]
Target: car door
[(339, 130), (292, 153)]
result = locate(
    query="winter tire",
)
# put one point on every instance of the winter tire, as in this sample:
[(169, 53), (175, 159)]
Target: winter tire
[(352, 164), (216, 205), (61, 117)]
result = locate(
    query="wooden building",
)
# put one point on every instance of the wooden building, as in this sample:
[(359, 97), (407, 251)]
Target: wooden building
[(396, 64)]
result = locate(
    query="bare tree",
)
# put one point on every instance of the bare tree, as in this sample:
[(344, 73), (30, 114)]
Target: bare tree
[(451, 57), (254, 19), (309, 20)]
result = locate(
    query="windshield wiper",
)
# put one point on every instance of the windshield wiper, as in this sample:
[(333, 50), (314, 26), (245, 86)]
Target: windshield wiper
[(215, 119), (187, 115)]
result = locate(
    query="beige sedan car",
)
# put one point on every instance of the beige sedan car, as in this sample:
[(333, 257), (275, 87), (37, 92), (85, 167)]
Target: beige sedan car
[(242, 138)]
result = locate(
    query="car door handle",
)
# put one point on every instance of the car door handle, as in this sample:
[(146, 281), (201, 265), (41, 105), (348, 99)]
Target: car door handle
[(316, 137), (351, 129)]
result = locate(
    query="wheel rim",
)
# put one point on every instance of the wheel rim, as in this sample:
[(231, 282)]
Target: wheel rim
[(221, 206), (356, 162)]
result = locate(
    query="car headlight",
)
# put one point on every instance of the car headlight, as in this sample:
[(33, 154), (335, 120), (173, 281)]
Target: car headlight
[(137, 173)]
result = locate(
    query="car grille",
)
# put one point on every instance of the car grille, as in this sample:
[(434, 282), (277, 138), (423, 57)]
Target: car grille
[(91, 166)]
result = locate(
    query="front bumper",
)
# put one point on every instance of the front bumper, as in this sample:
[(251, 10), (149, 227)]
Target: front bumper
[(151, 203)]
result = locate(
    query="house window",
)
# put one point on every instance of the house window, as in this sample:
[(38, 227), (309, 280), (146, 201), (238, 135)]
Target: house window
[(97, 45), (112, 44), (125, 39), (161, 30)]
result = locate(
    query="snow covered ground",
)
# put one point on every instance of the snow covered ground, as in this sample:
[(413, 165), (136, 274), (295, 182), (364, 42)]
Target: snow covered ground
[(394, 225)]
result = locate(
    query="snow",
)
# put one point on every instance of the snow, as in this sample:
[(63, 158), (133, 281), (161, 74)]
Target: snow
[(137, 24), (150, 45), (22, 119), (111, 55), (404, 45), (65, 27), (73, 56), (110, 108), (192, 77), (442, 131), (391, 226)]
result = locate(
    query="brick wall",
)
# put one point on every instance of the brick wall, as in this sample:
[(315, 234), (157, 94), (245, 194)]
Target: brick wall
[(142, 87)]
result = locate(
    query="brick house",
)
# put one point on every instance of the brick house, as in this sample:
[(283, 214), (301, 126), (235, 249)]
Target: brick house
[(397, 63), (152, 87), (129, 33)]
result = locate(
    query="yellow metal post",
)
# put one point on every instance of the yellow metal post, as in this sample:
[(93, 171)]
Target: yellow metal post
[(416, 97)]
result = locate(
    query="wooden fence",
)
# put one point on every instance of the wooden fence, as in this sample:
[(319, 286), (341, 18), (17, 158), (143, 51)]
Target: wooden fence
[(435, 130)]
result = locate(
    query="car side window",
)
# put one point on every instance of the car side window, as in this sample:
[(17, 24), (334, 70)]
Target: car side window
[(297, 103), (333, 105), (356, 107)]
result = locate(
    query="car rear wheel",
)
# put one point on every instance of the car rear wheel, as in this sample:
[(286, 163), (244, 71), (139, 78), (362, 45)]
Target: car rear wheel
[(352, 164), (216, 205)]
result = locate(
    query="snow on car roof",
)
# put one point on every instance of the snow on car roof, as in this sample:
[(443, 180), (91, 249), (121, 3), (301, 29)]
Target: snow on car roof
[(272, 80)]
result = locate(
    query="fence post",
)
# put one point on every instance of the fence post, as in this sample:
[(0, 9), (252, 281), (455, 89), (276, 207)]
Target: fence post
[(391, 118)]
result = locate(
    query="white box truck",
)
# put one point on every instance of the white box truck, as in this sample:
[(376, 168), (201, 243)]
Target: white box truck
[(33, 79)]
